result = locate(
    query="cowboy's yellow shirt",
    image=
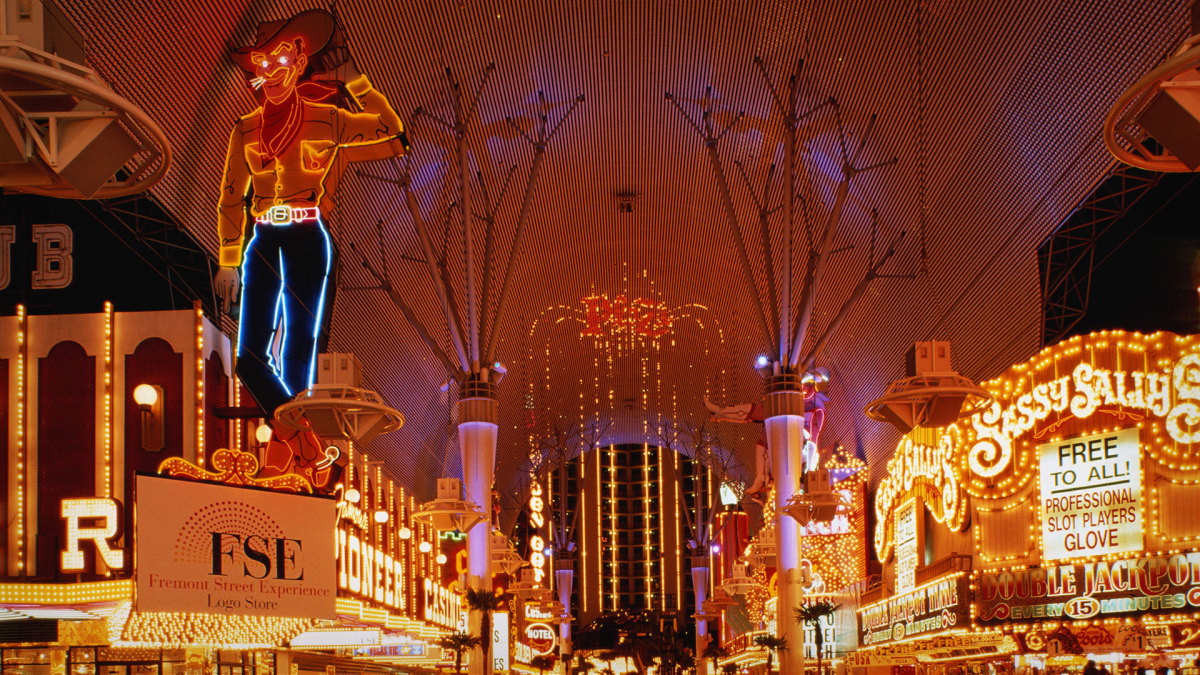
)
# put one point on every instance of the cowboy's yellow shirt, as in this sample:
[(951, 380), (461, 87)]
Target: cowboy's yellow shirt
[(297, 177)]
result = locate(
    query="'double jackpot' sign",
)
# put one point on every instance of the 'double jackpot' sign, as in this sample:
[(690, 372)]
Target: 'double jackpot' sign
[(1091, 495)]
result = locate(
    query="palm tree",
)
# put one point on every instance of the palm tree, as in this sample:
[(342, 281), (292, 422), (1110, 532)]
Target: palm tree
[(812, 615), (730, 669), (484, 601), (459, 642), (542, 662), (773, 644), (713, 650)]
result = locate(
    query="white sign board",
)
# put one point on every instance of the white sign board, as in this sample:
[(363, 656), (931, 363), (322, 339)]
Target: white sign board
[(500, 642), (216, 549), (906, 546), (336, 638), (1091, 495)]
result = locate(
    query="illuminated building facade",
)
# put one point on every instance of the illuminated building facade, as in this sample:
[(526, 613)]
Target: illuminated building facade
[(97, 403), (1056, 526), (632, 536), (670, 242)]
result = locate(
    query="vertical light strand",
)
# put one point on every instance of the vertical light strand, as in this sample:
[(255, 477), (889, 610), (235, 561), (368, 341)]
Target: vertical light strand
[(612, 521), (393, 517), (238, 426), (646, 523), (549, 510), (199, 311), (581, 505), (22, 353), (377, 504), (681, 504), (406, 503), (662, 522), (108, 399), (712, 504)]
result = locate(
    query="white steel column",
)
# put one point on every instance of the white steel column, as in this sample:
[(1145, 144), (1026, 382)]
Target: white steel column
[(700, 585), (477, 441), (564, 576), (784, 410)]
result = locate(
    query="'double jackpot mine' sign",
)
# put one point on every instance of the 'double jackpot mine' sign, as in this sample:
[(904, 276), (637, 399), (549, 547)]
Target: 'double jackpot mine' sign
[(1091, 495)]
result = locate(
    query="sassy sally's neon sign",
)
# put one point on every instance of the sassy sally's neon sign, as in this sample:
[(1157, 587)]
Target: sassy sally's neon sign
[(1083, 392)]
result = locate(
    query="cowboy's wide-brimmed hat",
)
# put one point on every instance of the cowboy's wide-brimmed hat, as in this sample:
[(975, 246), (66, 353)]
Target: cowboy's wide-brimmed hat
[(314, 26)]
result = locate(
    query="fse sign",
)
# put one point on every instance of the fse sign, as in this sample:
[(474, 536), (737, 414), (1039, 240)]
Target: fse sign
[(1091, 495), (226, 550)]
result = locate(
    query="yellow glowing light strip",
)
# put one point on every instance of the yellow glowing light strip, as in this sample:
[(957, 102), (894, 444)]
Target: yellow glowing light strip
[(377, 502), (582, 506), (199, 384), (662, 569), (237, 402), (392, 508), (646, 521), (550, 529), (612, 518), (108, 399), (67, 594), (678, 550), (22, 351), (409, 546)]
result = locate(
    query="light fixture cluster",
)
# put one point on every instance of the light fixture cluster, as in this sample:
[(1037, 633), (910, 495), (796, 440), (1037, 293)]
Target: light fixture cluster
[(840, 558), (617, 350), (180, 629), (646, 318), (85, 592), (384, 554)]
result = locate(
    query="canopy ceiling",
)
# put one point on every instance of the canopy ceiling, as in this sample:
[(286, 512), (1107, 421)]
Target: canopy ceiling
[(1014, 95)]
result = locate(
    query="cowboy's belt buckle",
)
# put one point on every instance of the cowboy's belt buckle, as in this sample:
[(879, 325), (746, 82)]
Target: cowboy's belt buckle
[(280, 214)]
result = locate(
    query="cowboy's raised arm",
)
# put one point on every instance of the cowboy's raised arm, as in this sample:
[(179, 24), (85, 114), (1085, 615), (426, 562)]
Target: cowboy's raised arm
[(377, 123)]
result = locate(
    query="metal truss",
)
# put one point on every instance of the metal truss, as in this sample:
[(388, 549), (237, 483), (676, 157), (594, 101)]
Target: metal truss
[(153, 235), (1068, 257)]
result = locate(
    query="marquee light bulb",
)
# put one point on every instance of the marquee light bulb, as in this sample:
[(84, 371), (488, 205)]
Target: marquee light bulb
[(425, 547), (405, 532), (381, 516), (441, 558), (353, 496)]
